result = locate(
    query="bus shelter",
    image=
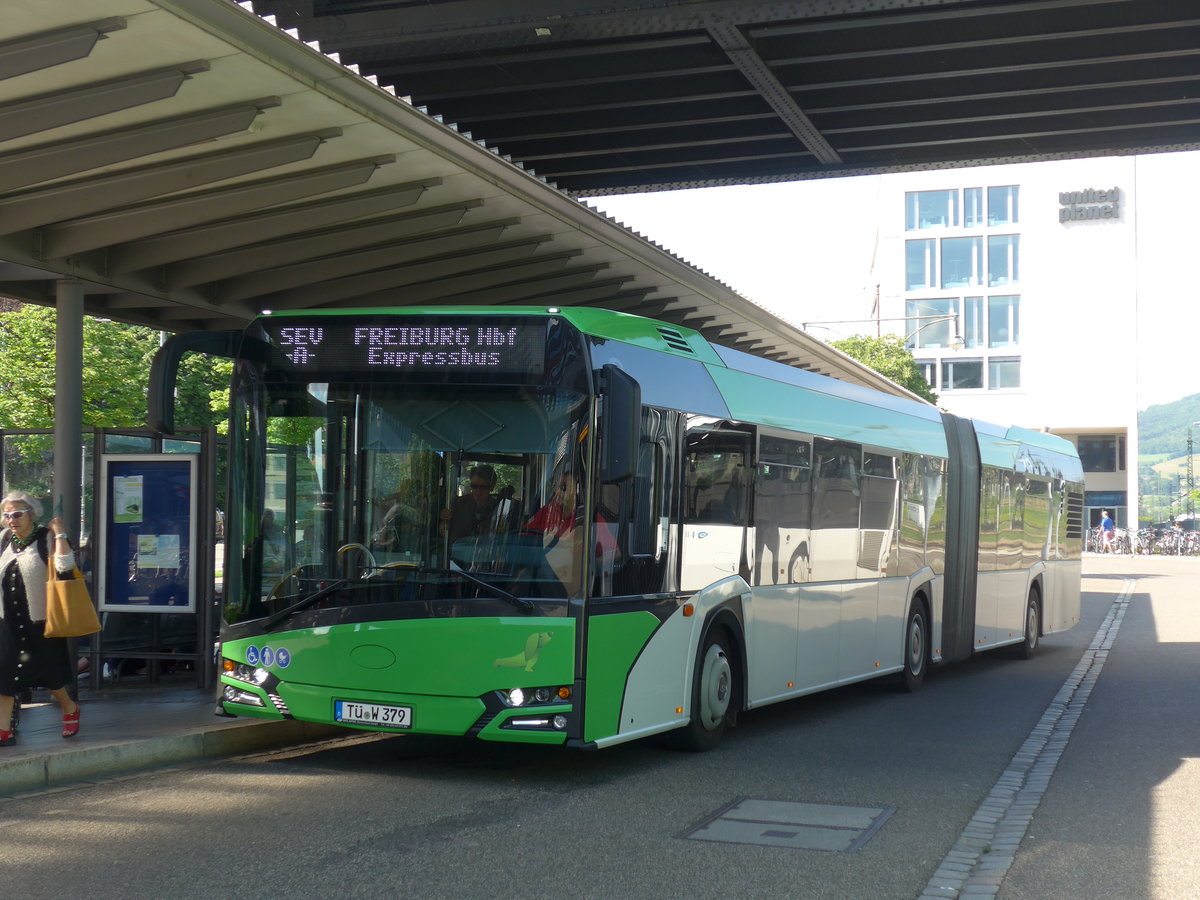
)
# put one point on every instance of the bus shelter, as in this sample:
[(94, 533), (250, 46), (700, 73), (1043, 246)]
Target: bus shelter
[(152, 560)]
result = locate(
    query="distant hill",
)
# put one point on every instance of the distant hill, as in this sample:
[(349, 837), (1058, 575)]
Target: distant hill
[(1163, 429)]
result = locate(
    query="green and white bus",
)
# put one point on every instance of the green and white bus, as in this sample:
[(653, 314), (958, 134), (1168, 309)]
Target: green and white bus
[(581, 527)]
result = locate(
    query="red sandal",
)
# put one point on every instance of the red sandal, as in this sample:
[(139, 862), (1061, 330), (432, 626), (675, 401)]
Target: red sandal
[(71, 722), (7, 738)]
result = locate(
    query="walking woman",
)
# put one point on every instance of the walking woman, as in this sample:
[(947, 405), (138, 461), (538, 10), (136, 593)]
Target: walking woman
[(27, 657)]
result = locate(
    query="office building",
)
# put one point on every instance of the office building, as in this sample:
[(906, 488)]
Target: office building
[(1017, 287)]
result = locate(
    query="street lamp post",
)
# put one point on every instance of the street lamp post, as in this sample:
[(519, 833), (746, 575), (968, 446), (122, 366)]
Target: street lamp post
[(1191, 479), (956, 342)]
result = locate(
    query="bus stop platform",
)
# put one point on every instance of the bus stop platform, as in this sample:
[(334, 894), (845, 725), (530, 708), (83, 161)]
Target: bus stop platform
[(131, 727)]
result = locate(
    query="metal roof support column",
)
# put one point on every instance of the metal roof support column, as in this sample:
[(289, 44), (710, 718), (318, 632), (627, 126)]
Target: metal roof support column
[(68, 405)]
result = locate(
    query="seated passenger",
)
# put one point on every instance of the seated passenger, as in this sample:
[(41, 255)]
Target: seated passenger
[(557, 518), (473, 512), (404, 523)]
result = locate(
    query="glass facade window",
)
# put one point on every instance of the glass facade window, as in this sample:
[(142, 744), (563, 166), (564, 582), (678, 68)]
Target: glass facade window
[(1004, 321), (1002, 204), (930, 209), (928, 368), (973, 207), (974, 325), (920, 264), (1003, 257), (962, 262), (1004, 373), (965, 266), (962, 374), (924, 331), (1102, 453)]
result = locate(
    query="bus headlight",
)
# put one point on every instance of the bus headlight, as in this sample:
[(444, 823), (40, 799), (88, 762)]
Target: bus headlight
[(518, 697), (232, 694), (249, 674)]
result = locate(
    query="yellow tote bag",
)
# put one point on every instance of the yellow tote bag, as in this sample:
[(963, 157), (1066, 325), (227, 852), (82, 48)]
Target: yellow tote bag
[(69, 609)]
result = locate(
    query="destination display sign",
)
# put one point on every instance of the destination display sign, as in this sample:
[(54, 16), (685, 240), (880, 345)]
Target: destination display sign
[(496, 348)]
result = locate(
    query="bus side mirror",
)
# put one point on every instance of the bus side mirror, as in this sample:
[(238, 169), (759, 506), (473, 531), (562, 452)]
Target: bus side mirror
[(164, 371), (620, 424)]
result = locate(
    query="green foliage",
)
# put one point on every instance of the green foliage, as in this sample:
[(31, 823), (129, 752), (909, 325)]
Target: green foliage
[(1163, 428), (116, 367), (1162, 457), (200, 379), (889, 357), (116, 359)]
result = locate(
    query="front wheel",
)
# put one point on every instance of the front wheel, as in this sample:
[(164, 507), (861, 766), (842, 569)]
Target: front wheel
[(713, 695), (1027, 649)]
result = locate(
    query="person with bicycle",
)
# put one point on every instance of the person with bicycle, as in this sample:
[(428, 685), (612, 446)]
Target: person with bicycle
[(1107, 530)]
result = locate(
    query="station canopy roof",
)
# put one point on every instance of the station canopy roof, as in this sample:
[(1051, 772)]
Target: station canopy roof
[(192, 162)]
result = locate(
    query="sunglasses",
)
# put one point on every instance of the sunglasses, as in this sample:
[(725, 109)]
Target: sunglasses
[(15, 514), (480, 487)]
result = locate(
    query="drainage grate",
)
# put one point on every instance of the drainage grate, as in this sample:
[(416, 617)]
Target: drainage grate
[(831, 827)]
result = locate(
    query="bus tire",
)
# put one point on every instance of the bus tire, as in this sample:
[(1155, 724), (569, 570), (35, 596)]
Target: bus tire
[(916, 648), (714, 693), (1028, 647)]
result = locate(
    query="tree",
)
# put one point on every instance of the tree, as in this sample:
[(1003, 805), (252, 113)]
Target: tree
[(889, 357), (116, 370)]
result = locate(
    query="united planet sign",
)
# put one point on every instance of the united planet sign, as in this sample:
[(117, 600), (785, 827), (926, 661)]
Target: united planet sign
[(1074, 206)]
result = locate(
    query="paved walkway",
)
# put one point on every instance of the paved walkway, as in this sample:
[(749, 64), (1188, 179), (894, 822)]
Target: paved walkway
[(134, 726)]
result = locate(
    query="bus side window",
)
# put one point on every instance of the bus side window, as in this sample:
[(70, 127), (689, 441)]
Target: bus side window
[(718, 489)]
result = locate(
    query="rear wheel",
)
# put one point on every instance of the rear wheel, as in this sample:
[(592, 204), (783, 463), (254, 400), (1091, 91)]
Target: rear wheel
[(713, 695), (916, 649), (1027, 649)]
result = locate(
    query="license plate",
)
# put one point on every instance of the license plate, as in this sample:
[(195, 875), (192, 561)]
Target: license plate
[(378, 715)]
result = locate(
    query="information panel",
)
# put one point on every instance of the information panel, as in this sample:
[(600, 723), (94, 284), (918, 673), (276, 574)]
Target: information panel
[(147, 505), (498, 348)]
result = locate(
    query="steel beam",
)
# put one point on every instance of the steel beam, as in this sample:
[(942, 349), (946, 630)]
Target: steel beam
[(369, 283), (70, 157), (264, 224), (310, 245), (53, 48), (340, 265), (157, 217), (75, 199), (71, 105)]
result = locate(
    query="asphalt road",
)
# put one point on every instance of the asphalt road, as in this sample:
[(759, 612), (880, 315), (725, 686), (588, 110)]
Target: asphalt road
[(429, 818)]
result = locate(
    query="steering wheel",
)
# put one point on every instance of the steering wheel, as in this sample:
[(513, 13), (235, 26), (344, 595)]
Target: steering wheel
[(284, 579)]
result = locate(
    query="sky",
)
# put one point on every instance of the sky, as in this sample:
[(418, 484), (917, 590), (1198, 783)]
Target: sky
[(756, 238)]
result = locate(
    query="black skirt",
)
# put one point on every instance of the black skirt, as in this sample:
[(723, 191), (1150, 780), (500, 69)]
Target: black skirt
[(28, 659)]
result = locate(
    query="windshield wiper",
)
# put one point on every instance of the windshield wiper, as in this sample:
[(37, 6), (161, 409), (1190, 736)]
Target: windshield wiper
[(274, 619), (522, 603)]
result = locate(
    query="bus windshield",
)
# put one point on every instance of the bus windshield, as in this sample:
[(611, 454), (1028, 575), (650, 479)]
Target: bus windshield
[(438, 499)]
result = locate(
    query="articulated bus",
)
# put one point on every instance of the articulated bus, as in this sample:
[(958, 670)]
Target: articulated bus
[(582, 527)]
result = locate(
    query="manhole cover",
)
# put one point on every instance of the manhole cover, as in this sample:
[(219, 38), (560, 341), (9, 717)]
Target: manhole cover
[(801, 826)]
